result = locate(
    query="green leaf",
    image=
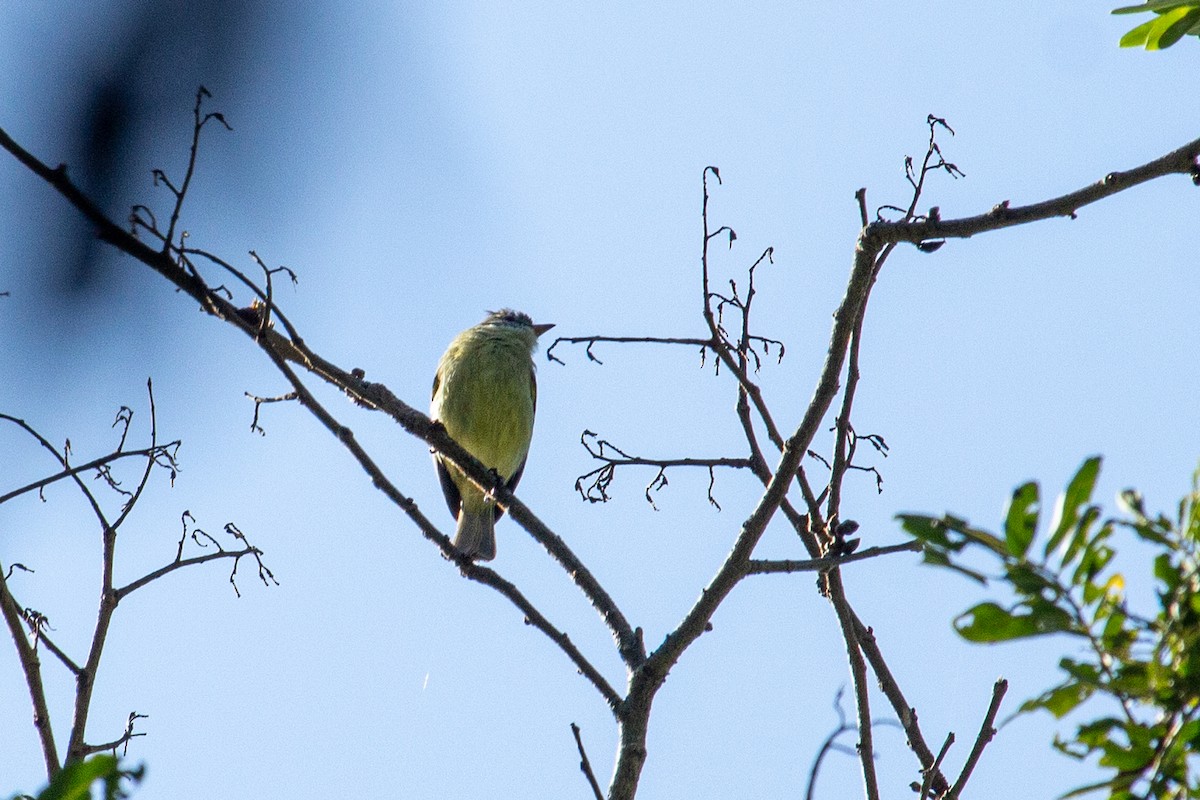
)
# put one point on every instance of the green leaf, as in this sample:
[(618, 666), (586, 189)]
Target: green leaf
[(939, 559), (1020, 522), (1066, 508), (1096, 733), (1060, 700), (988, 540), (1114, 637), (1096, 556), (1089, 788), (1081, 671), (933, 530), (1079, 538), (1132, 502), (989, 622), (944, 536), (1132, 680), (1126, 759), (1189, 732), (1166, 571), (1176, 20), (1153, 5), (1031, 580), (1171, 27), (75, 781), (1137, 37)]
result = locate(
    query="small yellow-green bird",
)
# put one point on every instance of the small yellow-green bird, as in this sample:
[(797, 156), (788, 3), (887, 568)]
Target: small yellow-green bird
[(485, 394)]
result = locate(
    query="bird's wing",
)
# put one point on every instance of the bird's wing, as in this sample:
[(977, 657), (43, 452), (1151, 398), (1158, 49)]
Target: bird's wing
[(449, 488), (512, 482)]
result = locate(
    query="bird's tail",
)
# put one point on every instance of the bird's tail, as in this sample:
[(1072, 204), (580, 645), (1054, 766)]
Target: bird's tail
[(476, 533)]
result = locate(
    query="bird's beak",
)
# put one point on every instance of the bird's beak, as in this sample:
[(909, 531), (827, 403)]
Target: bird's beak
[(540, 329)]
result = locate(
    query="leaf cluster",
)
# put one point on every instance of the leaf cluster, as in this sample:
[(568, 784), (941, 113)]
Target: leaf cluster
[(1172, 21), (1062, 582), (75, 781)]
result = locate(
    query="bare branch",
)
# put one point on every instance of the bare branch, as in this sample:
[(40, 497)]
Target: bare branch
[(737, 366), (1181, 161), (258, 404), (123, 740), (843, 453), (593, 340), (37, 624), (375, 396), (933, 771), (32, 668), (829, 744), (646, 680), (151, 461), (180, 563), (986, 732), (629, 644), (602, 477), (181, 192), (95, 464), (765, 567), (584, 765), (858, 671), (905, 713), (63, 458), (534, 617)]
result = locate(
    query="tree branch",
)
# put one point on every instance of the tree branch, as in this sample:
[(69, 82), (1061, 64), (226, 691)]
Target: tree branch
[(31, 666), (585, 766), (95, 463), (1182, 161), (757, 566), (370, 395), (467, 566), (593, 340), (905, 713), (932, 773), (986, 732)]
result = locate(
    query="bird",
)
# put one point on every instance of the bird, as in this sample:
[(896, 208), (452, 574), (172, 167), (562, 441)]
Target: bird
[(485, 395)]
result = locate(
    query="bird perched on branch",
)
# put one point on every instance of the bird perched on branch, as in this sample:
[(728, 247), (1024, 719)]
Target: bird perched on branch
[(485, 394)]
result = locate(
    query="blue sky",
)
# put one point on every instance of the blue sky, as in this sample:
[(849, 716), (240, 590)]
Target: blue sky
[(418, 165)]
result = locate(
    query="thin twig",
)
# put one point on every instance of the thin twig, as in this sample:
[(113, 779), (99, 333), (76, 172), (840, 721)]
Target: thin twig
[(1181, 161), (757, 566), (602, 477), (584, 765), (41, 639), (932, 772), (154, 575), (181, 192), (858, 672), (986, 732), (593, 340), (829, 743), (31, 666), (905, 713), (124, 739), (95, 463)]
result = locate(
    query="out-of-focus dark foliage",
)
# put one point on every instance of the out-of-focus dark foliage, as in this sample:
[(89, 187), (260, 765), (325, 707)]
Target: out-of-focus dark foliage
[(115, 94)]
